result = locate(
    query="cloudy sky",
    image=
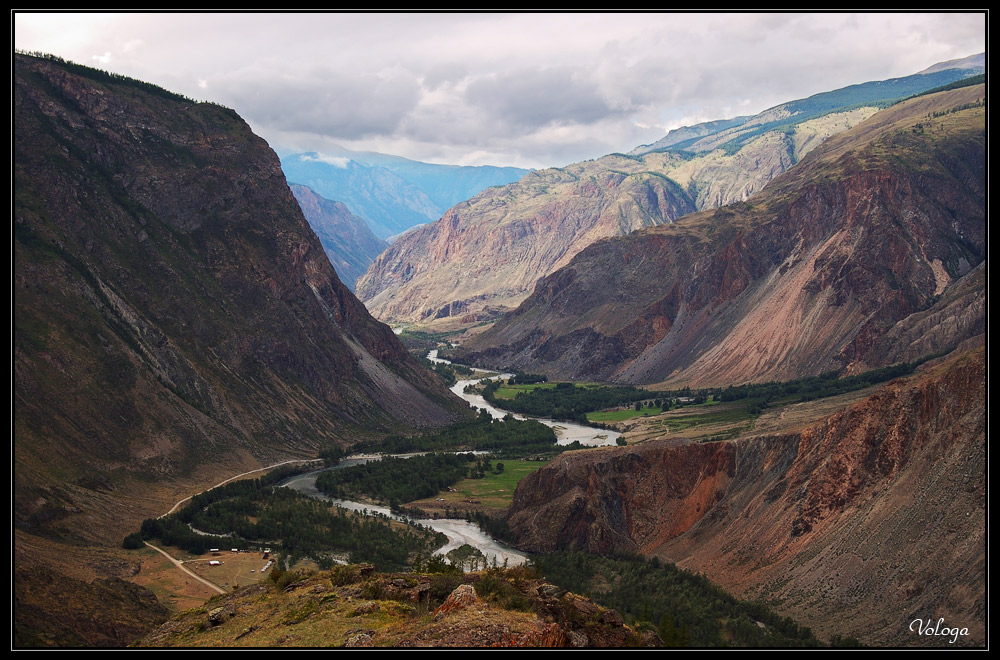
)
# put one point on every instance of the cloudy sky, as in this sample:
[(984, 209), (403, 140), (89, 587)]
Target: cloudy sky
[(531, 90)]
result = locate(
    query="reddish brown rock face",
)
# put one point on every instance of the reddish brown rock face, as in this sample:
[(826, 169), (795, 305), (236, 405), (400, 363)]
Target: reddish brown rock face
[(485, 254), (870, 231), (855, 523)]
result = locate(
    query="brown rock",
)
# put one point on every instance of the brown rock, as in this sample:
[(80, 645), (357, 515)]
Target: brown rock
[(462, 597), (876, 510), (808, 277)]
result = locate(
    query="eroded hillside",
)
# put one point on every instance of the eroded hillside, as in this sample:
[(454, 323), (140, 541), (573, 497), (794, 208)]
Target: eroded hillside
[(858, 523), (871, 229)]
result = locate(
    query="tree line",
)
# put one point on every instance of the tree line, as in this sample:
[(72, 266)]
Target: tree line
[(255, 512), (687, 609)]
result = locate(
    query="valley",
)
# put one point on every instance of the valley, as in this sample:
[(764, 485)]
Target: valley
[(727, 389)]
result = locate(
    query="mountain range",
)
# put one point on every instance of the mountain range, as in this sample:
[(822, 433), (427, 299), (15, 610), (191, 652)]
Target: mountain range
[(868, 234), (483, 257), (178, 320)]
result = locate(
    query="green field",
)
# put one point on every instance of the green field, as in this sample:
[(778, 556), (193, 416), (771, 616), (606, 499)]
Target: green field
[(703, 423), (622, 415), (493, 490), (630, 413), (510, 391), (507, 391)]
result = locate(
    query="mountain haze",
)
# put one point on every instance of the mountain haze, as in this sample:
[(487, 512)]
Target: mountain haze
[(349, 244), (392, 193)]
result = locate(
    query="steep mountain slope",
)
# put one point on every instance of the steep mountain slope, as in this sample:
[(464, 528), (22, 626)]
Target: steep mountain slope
[(515, 235), (175, 318), (54, 610), (857, 524), (392, 193), (349, 244), (485, 254), (868, 230)]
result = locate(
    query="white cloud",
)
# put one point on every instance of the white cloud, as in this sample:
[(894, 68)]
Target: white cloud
[(530, 89), (336, 161)]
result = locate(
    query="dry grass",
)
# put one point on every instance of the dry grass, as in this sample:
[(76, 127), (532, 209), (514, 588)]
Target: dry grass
[(174, 588)]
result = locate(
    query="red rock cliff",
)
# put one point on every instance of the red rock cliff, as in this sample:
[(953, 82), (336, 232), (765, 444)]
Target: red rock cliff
[(857, 524)]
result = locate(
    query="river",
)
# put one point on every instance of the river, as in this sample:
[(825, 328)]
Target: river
[(458, 531), (566, 432)]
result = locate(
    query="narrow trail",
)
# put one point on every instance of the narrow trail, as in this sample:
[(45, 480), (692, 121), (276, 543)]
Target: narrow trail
[(179, 564), (238, 476)]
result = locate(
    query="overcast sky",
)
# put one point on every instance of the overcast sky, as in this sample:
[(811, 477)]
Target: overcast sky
[(531, 90)]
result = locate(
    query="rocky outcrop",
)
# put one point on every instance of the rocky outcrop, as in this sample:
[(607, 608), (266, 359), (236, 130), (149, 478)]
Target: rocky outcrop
[(857, 524), (462, 597), (871, 229), (175, 317), (515, 610), (349, 244)]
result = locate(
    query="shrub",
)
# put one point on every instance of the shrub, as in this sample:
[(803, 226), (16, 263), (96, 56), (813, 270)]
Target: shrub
[(133, 541)]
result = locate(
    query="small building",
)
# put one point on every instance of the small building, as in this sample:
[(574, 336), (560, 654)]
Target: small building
[(213, 549), (214, 562)]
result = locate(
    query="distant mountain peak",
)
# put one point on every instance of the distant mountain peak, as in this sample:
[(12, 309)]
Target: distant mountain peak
[(975, 63), (392, 193)]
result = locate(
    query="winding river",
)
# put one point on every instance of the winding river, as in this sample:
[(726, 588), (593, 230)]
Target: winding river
[(566, 432), (460, 531)]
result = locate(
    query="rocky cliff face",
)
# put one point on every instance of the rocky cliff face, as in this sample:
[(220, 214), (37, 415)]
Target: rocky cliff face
[(349, 244), (485, 254), (175, 317), (858, 524), (871, 229)]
